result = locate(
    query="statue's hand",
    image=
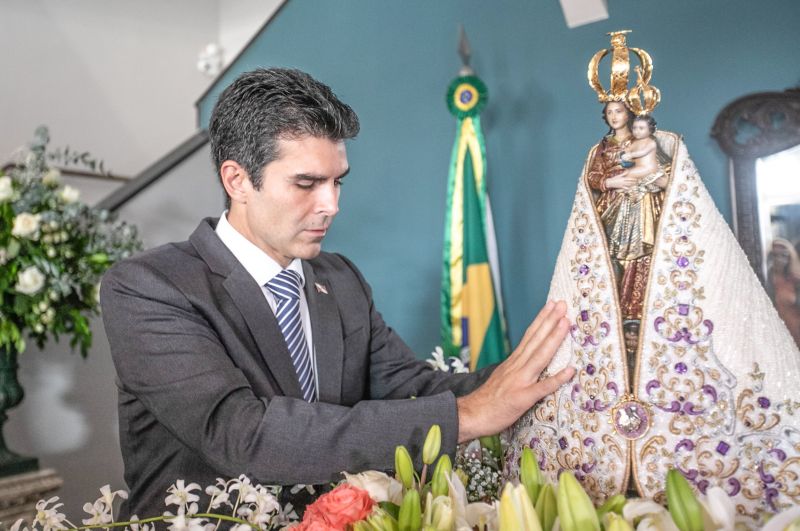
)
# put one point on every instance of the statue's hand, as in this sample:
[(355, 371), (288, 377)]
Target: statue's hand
[(623, 180)]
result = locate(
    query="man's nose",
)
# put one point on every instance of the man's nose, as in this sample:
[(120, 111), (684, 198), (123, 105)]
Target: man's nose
[(328, 200)]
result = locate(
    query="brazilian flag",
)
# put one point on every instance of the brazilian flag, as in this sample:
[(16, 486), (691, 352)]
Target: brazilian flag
[(471, 306)]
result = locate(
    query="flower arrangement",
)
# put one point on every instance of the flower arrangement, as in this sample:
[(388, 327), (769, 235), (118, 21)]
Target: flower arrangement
[(412, 501), (53, 251)]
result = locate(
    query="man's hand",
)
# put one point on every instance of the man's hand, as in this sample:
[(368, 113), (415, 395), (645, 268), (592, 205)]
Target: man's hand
[(513, 387)]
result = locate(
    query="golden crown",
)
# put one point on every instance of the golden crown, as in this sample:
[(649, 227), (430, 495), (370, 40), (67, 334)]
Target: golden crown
[(642, 98)]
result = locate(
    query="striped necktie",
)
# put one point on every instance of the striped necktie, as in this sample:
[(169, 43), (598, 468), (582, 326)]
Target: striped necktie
[(285, 286)]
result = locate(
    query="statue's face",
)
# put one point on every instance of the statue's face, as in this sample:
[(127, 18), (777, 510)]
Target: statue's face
[(640, 129), (616, 115)]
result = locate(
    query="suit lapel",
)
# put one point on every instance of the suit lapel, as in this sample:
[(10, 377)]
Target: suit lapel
[(326, 328), (249, 300)]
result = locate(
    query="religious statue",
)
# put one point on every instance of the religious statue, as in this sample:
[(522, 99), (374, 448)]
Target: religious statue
[(682, 361)]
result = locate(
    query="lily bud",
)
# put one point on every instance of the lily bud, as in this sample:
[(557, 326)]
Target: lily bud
[(575, 510), (404, 467), (380, 520), (410, 518), (462, 476), (612, 505), (614, 522), (516, 512), (439, 484), (529, 474), (546, 506), (433, 443), (683, 505), (362, 525)]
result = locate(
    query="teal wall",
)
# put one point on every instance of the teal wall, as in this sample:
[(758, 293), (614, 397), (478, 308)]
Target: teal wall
[(393, 60)]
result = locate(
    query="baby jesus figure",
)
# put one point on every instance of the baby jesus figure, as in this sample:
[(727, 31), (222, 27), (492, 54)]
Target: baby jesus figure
[(642, 155)]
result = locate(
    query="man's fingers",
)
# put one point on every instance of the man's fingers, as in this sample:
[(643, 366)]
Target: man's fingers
[(548, 346), (537, 322), (550, 385), (545, 329)]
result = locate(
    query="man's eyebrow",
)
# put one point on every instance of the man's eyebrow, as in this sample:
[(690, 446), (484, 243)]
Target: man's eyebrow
[(311, 177)]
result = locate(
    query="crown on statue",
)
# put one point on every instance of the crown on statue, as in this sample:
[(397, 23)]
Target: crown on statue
[(642, 98)]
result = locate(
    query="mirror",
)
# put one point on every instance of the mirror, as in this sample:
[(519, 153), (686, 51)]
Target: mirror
[(760, 133)]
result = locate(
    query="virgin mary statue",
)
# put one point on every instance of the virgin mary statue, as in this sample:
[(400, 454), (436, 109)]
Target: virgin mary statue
[(708, 381)]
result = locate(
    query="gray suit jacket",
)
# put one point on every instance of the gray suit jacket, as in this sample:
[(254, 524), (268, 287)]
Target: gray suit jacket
[(207, 388)]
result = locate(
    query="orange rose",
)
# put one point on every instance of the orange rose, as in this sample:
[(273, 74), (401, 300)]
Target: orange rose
[(342, 506)]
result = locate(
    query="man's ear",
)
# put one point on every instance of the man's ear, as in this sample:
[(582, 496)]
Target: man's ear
[(235, 180)]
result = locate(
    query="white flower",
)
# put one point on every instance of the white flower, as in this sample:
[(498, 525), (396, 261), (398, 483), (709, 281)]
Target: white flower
[(181, 494), (100, 512), (438, 362), (469, 515), (49, 518), (783, 521), (29, 280), (6, 190), (719, 512), (180, 522), (219, 495), (3, 255), (654, 516), (25, 225), (68, 194), (53, 176), (17, 526), (381, 487), (136, 526)]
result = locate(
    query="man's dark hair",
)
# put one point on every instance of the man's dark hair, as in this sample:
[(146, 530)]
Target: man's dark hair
[(268, 104)]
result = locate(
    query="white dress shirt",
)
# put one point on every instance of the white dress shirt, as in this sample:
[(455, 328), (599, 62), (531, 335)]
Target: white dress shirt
[(263, 268)]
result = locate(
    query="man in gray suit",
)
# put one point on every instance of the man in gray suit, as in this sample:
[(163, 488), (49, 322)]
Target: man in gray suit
[(247, 350)]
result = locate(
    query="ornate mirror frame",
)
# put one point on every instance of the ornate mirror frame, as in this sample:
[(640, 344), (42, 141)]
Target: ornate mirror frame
[(751, 127)]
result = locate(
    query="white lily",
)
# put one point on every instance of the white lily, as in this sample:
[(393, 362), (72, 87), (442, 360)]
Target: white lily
[(381, 487), (469, 515), (787, 520), (654, 517), (719, 511)]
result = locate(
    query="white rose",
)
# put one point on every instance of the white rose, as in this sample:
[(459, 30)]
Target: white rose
[(6, 191), (379, 486), (25, 225), (29, 281), (68, 194), (53, 176)]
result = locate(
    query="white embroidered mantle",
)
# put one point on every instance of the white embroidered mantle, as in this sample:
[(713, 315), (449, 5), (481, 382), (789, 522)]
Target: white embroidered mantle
[(717, 371)]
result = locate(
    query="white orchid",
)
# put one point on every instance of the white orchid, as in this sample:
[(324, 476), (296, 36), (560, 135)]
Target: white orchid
[(449, 364), (183, 520), (19, 526), (654, 517), (381, 487), (181, 494), (219, 494), (438, 362), (26, 225), (48, 517), (136, 526), (99, 511)]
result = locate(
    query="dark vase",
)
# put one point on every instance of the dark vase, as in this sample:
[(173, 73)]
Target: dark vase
[(10, 396)]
